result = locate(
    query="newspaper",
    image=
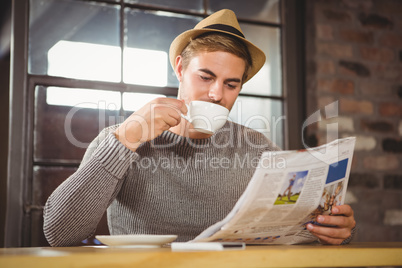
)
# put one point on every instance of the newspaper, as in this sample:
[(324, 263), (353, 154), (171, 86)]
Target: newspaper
[(288, 190)]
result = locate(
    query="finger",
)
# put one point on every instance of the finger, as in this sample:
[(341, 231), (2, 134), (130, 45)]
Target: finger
[(168, 113), (183, 108), (165, 115), (174, 113), (329, 240), (339, 221), (178, 104), (171, 121), (342, 210), (332, 232)]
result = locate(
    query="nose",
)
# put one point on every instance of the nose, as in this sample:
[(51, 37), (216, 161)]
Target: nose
[(216, 92)]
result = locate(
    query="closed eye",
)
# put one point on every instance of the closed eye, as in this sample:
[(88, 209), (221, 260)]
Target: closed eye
[(231, 86), (205, 78), (233, 83), (206, 75)]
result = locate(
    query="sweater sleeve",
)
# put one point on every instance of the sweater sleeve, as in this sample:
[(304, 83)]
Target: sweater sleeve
[(74, 209)]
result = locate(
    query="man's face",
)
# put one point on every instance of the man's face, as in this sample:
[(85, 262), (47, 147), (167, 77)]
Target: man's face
[(211, 76)]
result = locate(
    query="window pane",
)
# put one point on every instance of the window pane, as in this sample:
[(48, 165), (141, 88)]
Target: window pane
[(149, 35), (193, 5), (46, 180), (268, 80), (80, 97), (63, 130), (261, 10), (75, 40), (145, 67), (134, 101), (263, 115)]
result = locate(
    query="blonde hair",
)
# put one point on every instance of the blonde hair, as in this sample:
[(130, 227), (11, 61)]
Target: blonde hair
[(212, 42)]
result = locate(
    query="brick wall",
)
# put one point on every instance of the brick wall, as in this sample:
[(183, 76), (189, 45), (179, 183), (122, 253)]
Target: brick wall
[(354, 56)]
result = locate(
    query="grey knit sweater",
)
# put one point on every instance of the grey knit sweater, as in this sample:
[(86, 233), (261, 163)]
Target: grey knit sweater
[(171, 185)]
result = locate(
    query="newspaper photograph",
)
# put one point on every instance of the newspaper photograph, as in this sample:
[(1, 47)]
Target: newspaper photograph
[(281, 199)]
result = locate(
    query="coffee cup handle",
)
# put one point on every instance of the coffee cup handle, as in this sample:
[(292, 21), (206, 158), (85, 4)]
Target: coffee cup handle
[(187, 117)]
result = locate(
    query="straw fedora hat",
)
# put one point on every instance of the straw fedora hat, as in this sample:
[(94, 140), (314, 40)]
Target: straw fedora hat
[(223, 21)]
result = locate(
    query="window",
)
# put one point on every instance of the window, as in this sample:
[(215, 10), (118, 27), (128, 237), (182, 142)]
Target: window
[(128, 44), (88, 66)]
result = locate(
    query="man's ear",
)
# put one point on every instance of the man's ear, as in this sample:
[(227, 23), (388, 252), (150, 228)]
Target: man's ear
[(179, 67)]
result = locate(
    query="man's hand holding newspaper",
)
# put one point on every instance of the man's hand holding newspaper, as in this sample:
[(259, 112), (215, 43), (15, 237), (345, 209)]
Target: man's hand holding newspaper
[(293, 197), (342, 217)]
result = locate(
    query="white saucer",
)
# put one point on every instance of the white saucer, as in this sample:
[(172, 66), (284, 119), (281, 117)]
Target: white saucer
[(136, 241)]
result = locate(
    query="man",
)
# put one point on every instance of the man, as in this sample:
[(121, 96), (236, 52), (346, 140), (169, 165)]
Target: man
[(154, 173)]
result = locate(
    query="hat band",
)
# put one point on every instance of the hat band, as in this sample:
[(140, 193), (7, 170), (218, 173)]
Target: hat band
[(225, 28)]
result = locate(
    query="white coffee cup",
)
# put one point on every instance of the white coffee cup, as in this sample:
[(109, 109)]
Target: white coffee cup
[(206, 117)]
